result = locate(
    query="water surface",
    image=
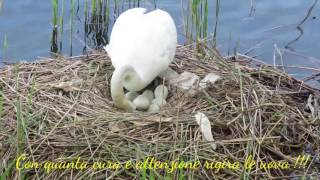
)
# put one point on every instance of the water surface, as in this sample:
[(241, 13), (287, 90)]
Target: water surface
[(266, 29)]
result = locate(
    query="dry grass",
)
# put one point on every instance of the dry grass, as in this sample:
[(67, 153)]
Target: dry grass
[(59, 109)]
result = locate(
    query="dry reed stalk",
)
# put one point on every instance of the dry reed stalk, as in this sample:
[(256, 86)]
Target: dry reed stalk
[(66, 112)]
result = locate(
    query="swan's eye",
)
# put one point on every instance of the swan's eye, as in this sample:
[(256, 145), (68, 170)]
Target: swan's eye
[(127, 78)]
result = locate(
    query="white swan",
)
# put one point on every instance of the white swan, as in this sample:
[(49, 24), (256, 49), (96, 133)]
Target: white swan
[(142, 45)]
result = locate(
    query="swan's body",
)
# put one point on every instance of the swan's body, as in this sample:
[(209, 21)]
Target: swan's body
[(142, 45)]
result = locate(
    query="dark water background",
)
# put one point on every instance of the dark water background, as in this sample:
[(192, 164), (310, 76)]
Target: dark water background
[(266, 29)]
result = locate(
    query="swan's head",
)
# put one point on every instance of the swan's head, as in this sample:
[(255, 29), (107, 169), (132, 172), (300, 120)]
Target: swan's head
[(116, 88), (133, 82)]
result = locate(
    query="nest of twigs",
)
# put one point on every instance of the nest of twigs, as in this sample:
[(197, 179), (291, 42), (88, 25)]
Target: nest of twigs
[(60, 109)]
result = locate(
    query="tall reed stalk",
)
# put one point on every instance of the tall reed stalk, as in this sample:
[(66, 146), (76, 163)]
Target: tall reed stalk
[(196, 23), (199, 14), (216, 23), (71, 23), (5, 45), (1, 2), (54, 36), (55, 12), (61, 26)]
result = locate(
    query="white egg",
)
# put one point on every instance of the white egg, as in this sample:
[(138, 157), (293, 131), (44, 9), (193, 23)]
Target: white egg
[(131, 95), (154, 108), (159, 101), (161, 92), (149, 95), (141, 102)]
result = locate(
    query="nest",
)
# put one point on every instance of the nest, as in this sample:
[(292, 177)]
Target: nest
[(59, 109)]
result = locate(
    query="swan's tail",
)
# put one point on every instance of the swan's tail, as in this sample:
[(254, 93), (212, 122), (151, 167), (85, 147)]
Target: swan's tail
[(106, 48)]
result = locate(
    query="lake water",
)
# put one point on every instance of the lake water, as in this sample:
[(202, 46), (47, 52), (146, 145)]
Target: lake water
[(258, 28)]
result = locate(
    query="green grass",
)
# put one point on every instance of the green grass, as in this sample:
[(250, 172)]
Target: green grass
[(8, 171), (21, 129), (1, 103), (250, 150), (144, 174)]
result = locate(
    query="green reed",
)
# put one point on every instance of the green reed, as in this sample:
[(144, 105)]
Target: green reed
[(97, 20), (96, 24), (215, 32), (61, 23), (5, 42), (199, 15), (1, 2), (107, 13), (5, 46), (71, 23), (196, 23), (93, 6), (55, 4), (55, 19)]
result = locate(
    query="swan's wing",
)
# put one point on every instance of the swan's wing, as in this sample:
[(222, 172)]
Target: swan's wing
[(133, 12), (156, 43), (123, 23), (125, 27)]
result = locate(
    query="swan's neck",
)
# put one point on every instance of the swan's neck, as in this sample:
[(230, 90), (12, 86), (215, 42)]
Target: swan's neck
[(132, 81), (117, 94)]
